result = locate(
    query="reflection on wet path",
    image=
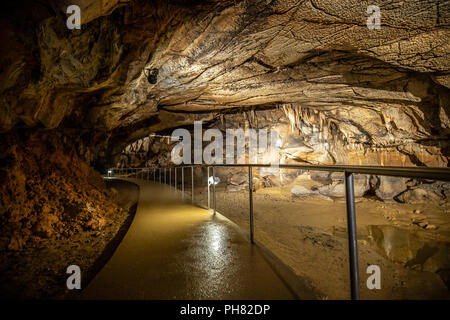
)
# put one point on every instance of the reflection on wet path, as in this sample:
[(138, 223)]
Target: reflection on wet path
[(178, 251)]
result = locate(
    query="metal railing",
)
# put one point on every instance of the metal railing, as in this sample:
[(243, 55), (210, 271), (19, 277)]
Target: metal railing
[(442, 174)]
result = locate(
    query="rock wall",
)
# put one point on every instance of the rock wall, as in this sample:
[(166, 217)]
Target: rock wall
[(338, 92), (47, 191), (215, 55), (311, 136)]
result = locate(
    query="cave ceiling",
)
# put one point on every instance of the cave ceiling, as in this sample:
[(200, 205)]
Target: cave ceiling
[(215, 56)]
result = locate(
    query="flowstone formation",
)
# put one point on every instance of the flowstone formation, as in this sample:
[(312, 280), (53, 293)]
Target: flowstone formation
[(211, 56), (309, 136)]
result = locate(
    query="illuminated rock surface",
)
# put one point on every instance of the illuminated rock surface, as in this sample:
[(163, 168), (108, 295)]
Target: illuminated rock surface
[(72, 101), (383, 90)]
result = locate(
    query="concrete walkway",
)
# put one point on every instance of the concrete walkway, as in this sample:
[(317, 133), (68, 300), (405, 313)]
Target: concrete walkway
[(179, 251)]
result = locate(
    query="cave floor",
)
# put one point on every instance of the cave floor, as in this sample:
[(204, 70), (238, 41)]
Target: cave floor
[(174, 250), (310, 236)]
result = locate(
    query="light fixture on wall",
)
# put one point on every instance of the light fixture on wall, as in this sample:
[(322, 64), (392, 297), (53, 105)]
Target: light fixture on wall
[(151, 74)]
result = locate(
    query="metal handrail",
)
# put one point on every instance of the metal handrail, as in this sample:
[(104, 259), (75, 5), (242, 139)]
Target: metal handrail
[(433, 173)]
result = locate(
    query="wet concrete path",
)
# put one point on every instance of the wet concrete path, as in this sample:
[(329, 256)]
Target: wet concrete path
[(174, 250)]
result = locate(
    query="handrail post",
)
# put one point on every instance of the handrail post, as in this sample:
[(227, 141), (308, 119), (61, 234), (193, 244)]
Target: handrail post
[(175, 182), (182, 183), (207, 183), (165, 175), (214, 188), (250, 190), (192, 183), (154, 174), (170, 177), (159, 169), (352, 236)]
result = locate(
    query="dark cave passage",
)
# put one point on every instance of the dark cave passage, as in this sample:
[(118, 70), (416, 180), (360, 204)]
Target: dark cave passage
[(305, 143)]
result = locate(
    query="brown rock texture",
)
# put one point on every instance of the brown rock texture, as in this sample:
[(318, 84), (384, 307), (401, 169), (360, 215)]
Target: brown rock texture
[(75, 102), (47, 191), (338, 92), (314, 55)]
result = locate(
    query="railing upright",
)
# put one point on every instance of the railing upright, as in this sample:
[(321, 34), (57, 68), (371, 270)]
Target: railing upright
[(182, 183), (352, 235), (192, 183), (214, 188), (250, 192), (207, 183)]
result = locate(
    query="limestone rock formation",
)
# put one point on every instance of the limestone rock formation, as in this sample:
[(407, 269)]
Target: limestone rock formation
[(47, 190), (336, 91), (308, 57)]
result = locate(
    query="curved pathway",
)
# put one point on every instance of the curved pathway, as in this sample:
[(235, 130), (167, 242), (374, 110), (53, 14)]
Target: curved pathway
[(174, 250)]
